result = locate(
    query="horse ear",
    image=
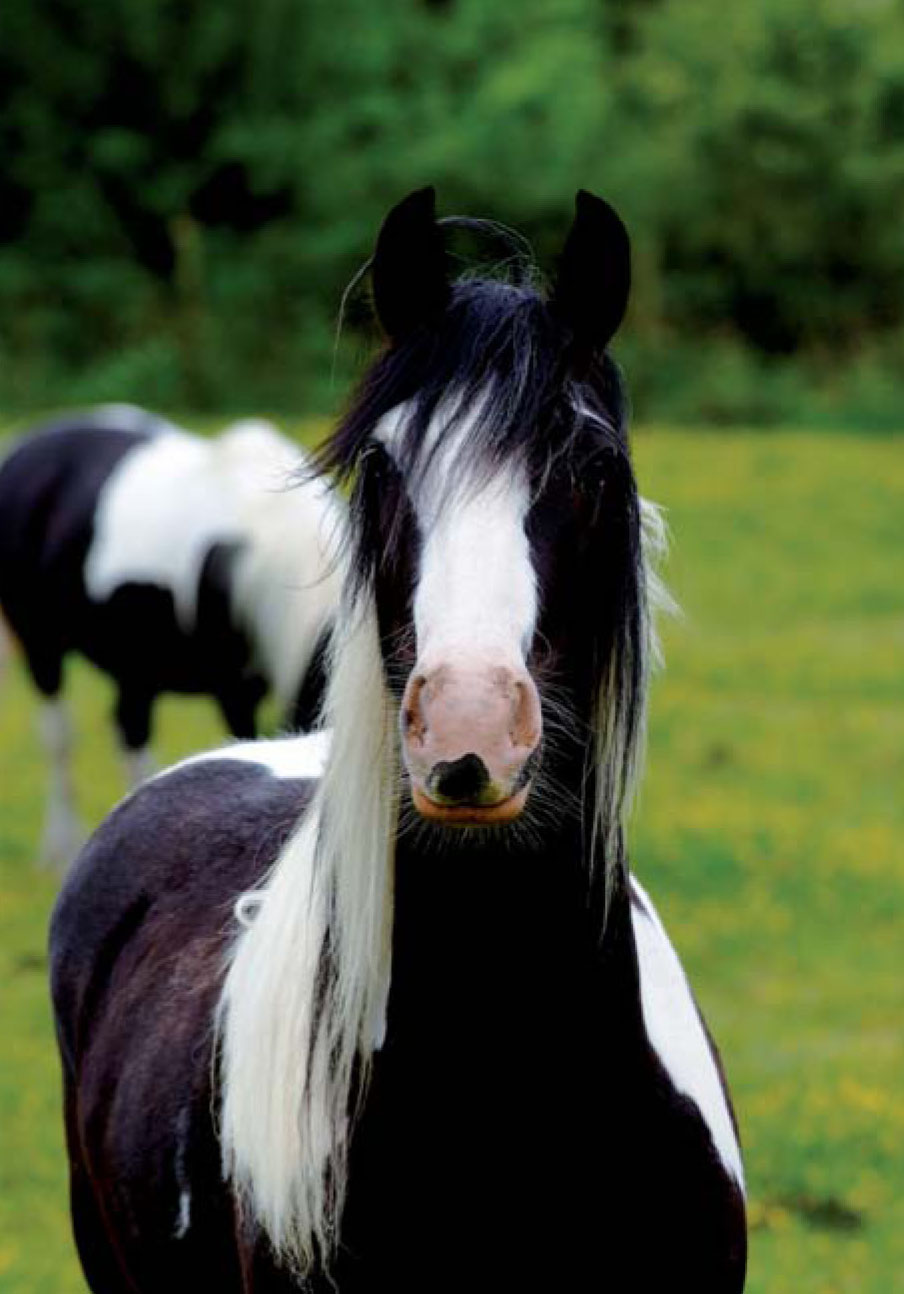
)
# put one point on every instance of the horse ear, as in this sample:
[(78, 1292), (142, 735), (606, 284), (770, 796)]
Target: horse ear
[(591, 291), (408, 272)]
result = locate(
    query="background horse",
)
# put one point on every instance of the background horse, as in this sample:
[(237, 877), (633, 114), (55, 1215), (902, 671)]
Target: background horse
[(173, 563), (456, 1048)]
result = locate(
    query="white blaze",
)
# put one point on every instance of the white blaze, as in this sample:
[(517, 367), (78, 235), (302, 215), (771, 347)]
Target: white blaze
[(476, 591)]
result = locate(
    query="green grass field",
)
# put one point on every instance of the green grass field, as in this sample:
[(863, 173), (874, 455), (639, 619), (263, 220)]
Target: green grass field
[(769, 831)]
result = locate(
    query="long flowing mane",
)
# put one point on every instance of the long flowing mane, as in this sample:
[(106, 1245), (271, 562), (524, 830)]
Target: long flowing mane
[(303, 1006)]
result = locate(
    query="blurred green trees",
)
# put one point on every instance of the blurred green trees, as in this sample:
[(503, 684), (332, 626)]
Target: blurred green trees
[(186, 188)]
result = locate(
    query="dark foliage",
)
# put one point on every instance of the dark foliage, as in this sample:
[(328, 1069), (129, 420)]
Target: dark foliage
[(185, 189)]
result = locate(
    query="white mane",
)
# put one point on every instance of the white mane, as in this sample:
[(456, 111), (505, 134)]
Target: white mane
[(293, 1041), (616, 747), (289, 1042)]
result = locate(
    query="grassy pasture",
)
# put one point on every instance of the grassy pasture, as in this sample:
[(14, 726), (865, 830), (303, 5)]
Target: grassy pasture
[(769, 831)]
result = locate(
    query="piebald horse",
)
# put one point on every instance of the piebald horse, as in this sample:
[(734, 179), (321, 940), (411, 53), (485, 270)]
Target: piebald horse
[(385, 1010), (172, 562)]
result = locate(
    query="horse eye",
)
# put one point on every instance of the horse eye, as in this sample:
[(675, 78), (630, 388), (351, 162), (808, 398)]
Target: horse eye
[(587, 498)]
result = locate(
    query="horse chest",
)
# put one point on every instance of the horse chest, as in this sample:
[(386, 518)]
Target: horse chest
[(517, 1112), (488, 1104), (553, 1162)]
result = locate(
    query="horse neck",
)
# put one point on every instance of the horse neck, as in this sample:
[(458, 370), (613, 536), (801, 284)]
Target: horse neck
[(495, 933)]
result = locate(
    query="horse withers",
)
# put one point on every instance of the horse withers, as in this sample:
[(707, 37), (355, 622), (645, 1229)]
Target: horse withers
[(172, 562), (385, 1009)]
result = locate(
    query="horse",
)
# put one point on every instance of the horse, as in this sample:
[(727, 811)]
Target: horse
[(173, 563), (383, 1007)]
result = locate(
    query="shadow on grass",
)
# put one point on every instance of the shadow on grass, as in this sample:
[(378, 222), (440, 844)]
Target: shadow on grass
[(820, 1213)]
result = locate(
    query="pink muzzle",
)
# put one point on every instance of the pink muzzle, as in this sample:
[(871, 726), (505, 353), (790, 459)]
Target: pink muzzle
[(470, 741)]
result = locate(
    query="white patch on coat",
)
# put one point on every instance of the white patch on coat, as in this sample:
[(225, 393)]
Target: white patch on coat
[(183, 1222), (158, 514), (183, 1217), (288, 578), (675, 1030), (170, 499), (284, 757)]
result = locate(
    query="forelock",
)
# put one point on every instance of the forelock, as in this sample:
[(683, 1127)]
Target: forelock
[(494, 365)]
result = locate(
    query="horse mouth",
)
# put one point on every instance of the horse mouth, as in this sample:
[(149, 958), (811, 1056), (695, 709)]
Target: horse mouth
[(470, 815)]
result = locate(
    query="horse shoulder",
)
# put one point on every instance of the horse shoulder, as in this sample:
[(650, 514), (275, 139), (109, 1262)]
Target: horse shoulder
[(165, 868), (677, 1033), (139, 945)]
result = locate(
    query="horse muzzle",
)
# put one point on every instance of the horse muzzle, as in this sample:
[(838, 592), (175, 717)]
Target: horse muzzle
[(470, 742)]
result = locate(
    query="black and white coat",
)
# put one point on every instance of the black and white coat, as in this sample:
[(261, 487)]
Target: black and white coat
[(173, 563)]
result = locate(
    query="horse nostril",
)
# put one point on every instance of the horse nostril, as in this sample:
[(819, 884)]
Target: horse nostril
[(413, 725), (459, 779), (524, 730)]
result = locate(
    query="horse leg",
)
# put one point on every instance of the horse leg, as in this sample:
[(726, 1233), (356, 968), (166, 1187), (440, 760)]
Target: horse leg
[(238, 705), (132, 717), (6, 645), (62, 836), (103, 1272)]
